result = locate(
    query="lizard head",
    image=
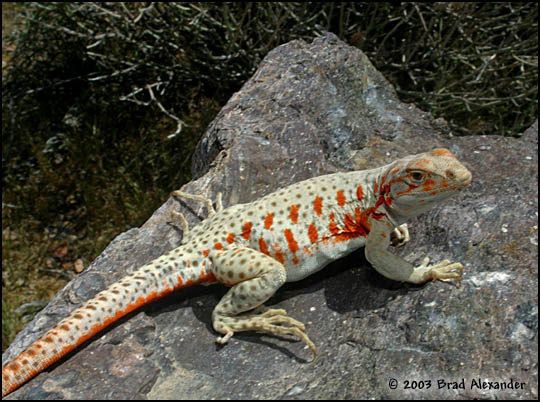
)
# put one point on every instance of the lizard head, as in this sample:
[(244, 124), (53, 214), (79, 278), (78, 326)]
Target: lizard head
[(414, 184)]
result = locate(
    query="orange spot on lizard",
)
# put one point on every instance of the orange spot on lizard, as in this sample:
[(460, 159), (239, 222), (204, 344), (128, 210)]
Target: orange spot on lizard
[(263, 247), (278, 255), (312, 233), (268, 220), (442, 152), (246, 230), (293, 245), (317, 205), (293, 215), (332, 226), (340, 197), (359, 192)]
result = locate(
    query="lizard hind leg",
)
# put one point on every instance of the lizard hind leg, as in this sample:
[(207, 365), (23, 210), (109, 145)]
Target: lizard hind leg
[(255, 278)]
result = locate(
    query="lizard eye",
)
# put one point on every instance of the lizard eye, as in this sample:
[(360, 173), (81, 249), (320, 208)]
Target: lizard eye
[(417, 176)]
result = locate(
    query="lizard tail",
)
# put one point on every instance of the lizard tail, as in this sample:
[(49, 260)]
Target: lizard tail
[(150, 282)]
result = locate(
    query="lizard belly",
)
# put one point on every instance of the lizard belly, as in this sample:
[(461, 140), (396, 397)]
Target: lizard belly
[(320, 255)]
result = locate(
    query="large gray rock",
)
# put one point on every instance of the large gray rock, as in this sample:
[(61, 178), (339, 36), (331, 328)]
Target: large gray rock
[(310, 109)]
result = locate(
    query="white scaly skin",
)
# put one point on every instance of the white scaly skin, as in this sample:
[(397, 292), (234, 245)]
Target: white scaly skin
[(255, 248)]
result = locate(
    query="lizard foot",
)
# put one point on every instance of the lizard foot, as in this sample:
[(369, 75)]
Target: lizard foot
[(444, 271), (273, 321), (400, 235)]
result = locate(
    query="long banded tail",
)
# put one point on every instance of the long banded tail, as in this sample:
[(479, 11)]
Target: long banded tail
[(150, 282)]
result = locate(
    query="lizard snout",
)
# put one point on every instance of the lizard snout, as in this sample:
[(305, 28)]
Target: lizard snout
[(460, 175), (463, 177)]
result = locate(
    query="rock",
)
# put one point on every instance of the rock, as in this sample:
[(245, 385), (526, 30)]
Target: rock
[(310, 109)]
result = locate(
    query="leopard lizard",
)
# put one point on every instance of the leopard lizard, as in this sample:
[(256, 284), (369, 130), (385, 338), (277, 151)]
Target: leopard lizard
[(255, 248)]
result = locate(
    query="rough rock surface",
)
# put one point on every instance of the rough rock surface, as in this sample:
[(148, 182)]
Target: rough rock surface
[(310, 109)]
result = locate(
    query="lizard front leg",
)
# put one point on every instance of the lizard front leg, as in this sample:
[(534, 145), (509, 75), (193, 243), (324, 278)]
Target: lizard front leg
[(396, 268), (254, 277)]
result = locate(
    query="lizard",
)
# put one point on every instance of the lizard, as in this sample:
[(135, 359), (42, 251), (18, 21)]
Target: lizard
[(254, 248)]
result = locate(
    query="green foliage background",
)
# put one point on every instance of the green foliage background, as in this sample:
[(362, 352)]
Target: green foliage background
[(93, 94)]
